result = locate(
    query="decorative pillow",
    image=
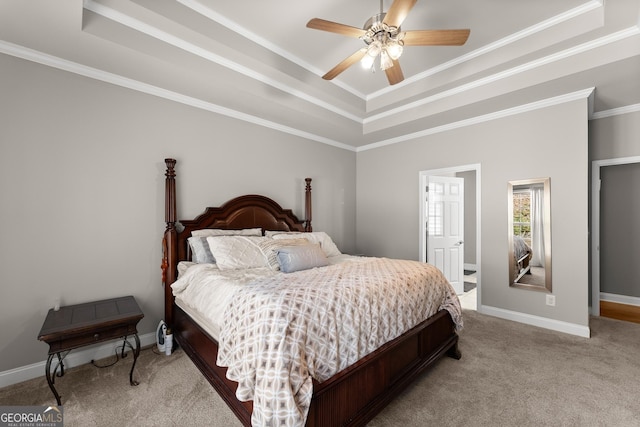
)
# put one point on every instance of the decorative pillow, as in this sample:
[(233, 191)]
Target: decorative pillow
[(237, 252), (270, 247), (320, 237), (200, 251), (295, 258)]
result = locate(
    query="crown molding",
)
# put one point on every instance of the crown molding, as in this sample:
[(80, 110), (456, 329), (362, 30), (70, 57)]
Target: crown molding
[(96, 74), (115, 79), (180, 43), (634, 108), (211, 14), (587, 7), (556, 100), (541, 26), (558, 56), (101, 75)]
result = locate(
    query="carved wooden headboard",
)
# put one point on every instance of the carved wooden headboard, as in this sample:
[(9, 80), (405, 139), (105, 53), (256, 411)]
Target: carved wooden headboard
[(250, 211)]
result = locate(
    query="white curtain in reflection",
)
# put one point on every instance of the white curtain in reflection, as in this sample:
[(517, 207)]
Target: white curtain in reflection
[(537, 227)]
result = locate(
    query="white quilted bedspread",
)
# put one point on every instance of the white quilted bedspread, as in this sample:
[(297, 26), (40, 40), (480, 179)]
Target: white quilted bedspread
[(282, 330)]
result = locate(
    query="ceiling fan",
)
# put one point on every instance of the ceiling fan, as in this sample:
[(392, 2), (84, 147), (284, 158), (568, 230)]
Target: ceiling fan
[(383, 37)]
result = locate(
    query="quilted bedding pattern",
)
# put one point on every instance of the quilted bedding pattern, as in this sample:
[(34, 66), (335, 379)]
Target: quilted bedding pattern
[(281, 331)]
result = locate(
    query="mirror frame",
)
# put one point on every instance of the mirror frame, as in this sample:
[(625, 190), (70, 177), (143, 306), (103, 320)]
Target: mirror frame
[(546, 233)]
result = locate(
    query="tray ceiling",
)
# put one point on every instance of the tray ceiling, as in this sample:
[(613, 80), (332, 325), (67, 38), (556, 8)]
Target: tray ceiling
[(256, 60)]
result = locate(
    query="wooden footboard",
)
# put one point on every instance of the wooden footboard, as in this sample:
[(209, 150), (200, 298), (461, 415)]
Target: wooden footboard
[(354, 396), (351, 397)]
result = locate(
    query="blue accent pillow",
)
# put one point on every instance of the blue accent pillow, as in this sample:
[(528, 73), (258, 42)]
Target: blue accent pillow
[(200, 252), (296, 258)]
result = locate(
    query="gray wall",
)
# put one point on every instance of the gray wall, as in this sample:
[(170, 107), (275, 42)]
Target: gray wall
[(387, 193), (82, 185), (83, 171), (612, 138)]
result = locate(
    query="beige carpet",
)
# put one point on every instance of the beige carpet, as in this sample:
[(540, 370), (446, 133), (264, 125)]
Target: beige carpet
[(509, 375), (537, 277)]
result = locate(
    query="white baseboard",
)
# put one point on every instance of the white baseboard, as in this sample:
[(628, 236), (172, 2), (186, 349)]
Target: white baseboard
[(74, 358), (621, 299), (542, 322)]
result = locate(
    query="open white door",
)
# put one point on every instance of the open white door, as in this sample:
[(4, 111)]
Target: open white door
[(445, 228)]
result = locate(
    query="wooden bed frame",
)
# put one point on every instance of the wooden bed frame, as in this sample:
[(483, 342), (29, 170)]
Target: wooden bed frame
[(521, 262), (351, 397)]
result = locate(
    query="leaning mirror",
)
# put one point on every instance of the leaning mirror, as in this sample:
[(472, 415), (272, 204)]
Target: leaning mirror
[(530, 234)]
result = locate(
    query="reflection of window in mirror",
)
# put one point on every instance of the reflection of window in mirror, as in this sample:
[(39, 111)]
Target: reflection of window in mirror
[(522, 214), (529, 234)]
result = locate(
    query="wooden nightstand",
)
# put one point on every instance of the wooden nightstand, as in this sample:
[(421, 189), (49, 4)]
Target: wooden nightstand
[(79, 325)]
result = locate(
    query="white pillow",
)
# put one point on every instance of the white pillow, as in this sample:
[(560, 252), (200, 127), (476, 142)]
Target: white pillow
[(237, 252), (206, 232), (200, 252), (320, 237), (296, 258), (269, 248)]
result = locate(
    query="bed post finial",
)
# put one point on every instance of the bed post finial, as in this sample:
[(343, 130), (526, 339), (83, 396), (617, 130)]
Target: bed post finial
[(170, 193), (307, 205), (169, 254)]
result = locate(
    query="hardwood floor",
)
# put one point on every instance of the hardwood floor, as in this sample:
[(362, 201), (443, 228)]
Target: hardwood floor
[(615, 310)]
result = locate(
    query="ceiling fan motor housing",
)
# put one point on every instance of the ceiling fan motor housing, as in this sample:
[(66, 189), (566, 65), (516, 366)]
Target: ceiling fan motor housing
[(376, 29), (375, 20)]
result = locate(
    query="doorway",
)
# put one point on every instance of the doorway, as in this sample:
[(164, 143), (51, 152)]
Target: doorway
[(471, 298), (619, 228), (445, 227)]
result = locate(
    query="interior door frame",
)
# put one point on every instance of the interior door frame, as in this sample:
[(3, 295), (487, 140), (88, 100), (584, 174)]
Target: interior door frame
[(596, 165), (422, 182)]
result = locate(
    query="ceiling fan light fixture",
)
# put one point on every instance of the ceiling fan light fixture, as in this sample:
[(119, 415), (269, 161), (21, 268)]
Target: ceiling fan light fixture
[(367, 62), (385, 60), (382, 40), (394, 49), (374, 49)]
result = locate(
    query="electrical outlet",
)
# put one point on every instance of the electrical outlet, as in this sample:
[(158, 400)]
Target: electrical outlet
[(551, 300)]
